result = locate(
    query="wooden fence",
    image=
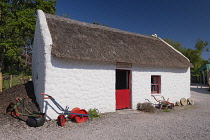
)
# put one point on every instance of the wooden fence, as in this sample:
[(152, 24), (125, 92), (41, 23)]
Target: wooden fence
[(7, 81), (1, 81)]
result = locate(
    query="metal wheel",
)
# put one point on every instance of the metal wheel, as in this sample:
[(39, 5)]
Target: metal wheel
[(81, 118), (61, 120), (74, 110)]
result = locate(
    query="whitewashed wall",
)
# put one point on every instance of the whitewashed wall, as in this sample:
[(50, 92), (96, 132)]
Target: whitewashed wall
[(175, 84), (41, 51), (80, 84), (86, 84)]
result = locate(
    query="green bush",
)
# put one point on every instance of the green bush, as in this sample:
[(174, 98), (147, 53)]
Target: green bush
[(94, 113)]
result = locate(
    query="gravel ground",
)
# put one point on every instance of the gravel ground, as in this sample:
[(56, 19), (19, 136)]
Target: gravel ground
[(189, 123)]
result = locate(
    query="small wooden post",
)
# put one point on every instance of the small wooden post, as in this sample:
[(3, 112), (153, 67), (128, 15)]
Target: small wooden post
[(1, 81), (204, 78), (10, 83)]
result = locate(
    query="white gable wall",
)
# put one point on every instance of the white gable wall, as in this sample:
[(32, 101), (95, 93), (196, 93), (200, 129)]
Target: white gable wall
[(41, 54)]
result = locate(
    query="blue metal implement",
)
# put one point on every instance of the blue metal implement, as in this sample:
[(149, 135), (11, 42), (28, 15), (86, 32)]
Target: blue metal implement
[(61, 118)]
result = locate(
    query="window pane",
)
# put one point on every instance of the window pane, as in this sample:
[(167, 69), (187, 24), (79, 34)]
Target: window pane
[(154, 88), (154, 80)]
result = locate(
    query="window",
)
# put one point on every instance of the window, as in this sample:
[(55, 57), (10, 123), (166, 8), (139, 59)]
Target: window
[(155, 84)]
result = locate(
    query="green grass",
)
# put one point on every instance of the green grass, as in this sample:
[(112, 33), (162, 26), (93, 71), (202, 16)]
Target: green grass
[(15, 80), (165, 110), (190, 107)]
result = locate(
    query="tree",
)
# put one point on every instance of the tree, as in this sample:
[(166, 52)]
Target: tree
[(17, 26), (176, 45), (194, 55), (201, 46)]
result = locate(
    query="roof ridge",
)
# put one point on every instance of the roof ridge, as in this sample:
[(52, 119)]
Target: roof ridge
[(111, 29)]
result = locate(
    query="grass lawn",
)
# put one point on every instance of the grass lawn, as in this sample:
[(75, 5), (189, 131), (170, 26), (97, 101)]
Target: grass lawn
[(15, 80)]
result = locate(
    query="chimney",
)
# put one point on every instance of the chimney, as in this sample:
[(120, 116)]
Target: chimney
[(154, 35)]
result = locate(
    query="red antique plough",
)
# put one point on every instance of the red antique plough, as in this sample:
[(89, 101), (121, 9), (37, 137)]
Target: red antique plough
[(163, 103), (80, 115)]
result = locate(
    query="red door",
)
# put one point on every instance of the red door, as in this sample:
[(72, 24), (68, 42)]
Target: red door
[(122, 89)]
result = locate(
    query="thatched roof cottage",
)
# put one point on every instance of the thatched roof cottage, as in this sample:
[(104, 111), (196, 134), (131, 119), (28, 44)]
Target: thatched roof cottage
[(92, 66)]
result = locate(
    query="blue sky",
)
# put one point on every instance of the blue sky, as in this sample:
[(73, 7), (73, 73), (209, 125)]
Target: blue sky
[(184, 21)]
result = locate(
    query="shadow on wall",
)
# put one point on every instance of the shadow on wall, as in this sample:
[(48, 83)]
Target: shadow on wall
[(47, 105), (161, 69), (80, 64), (30, 93), (84, 64)]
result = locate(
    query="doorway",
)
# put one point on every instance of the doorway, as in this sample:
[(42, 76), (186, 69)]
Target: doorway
[(122, 86)]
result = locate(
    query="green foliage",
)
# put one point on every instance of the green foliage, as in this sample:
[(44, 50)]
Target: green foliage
[(176, 45), (165, 110), (17, 26), (94, 113), (194, 55), (201, 46)]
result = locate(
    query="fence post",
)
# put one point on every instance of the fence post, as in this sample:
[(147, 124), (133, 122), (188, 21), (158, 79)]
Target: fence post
[(1, 81), (10, 82)]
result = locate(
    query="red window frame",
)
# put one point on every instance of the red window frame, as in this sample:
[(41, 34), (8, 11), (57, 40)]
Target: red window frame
[(155, 84)]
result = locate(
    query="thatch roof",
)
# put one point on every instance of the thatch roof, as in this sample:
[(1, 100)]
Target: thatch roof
[(84, 41)]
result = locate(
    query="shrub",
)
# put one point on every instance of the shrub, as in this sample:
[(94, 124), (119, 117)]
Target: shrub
[(94, 113), (146, 107)]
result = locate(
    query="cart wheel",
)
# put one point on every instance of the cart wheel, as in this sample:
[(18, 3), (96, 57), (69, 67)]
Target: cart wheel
[(81, 118), (74, 110), (61, 120), (183, 101), (190, 101)]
